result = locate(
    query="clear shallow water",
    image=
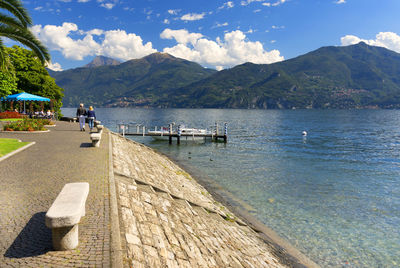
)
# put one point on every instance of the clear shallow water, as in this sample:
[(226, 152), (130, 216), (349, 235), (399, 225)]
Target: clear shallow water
[(335, 195)]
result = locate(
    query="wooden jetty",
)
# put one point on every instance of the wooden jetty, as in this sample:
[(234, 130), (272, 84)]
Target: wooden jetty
[(178, 134)]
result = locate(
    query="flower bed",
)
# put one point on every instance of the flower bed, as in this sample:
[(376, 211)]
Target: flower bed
[(5, 115), (26, 125)]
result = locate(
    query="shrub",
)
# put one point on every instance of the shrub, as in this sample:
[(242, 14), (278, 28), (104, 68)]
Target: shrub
[(7, 114), (25, 125)]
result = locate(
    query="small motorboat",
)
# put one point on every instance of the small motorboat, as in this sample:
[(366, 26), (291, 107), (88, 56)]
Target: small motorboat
[(189, 134)]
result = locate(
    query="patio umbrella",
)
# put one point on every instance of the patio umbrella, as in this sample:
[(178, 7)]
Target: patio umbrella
[(23, 96)]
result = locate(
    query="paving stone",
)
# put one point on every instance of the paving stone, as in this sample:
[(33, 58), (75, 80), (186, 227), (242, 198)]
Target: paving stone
[(172, 224), (31, 180)]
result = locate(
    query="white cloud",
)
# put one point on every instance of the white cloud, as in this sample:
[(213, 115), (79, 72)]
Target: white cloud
[(232, 50), (54, 66), (181, 36), (227, 5), (115, 43), (107, 5), (277, 3), (248, 2), (218, 25), (193, 16), (83, 1), (340, 2), (173, 11), (388, 40), (166, 21)]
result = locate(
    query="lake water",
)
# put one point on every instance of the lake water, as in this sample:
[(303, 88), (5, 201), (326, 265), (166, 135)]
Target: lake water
[(334, 194)]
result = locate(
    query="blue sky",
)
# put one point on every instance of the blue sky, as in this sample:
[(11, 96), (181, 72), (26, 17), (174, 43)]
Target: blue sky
[(214, 33)]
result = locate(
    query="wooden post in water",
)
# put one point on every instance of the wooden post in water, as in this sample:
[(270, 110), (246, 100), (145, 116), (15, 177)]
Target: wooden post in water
[(144, 130), (137, 129), (170, 134), (225, 132), (216, 131), (179, 135)]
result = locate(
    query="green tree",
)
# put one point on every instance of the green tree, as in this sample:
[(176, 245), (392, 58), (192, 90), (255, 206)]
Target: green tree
[(14, 23), (8, 83), (32, 76)]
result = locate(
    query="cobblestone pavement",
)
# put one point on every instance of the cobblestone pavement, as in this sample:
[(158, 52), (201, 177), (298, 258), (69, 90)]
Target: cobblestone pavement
[(29, 183), (168, 220)]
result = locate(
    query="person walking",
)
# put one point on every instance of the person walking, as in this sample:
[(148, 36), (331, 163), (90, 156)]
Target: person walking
[(81, 113), (91, 117)]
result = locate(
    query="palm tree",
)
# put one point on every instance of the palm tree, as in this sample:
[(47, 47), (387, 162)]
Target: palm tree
[(15, 27)]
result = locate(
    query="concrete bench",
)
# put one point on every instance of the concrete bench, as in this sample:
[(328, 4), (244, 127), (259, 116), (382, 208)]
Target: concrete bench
[(97, 122), (100, 128), (65, 213), (95, 138)]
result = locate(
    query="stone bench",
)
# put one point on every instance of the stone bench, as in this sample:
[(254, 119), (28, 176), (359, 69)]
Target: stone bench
[(95, 138), (96, 122), (65, 213), (100, 128)]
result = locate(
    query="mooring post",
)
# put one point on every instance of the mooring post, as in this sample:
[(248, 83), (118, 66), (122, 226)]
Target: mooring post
[(225, 132), (216, 131), (137, 128), (144, 130), (123, 130), (170, 134), (179, 135)]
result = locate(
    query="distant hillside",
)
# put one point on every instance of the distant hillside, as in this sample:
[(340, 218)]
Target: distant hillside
[(330, 77), (139, 82), (356, 76), (101, 61)]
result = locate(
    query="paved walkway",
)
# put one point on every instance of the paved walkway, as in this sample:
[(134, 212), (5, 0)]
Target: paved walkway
[(29, 183)]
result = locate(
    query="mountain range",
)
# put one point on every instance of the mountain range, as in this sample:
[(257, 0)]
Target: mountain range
[(356, 76)]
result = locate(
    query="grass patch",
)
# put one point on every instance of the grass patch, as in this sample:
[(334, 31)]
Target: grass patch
[(9, 145)]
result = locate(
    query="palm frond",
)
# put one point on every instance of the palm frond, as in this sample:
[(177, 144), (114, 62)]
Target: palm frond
[(3, 66), (16, 8), (25, 37), (10, 21)]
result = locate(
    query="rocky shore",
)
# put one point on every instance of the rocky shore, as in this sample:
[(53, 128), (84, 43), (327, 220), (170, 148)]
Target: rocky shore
[(167, 219)]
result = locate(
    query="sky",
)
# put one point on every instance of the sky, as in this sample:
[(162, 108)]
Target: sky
[(217, 34)]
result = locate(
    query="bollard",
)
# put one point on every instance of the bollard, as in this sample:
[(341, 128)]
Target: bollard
[(225, 132), (137, 129), (123, 130), (216, 131), (144, 130), (170, 134), (179, 134)]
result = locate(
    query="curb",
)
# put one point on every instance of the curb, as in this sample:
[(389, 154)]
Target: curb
[(17, 151), (24, 132), (116, 257)]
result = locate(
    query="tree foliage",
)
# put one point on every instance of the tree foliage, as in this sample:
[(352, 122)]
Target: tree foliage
[(8, 83), (32, 77)]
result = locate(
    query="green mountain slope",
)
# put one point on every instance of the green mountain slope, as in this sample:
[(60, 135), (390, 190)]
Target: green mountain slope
[(138, 82), (330, 77)]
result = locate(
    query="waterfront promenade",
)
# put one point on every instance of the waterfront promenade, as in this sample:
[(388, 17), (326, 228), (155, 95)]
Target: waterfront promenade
[(166, 219), (30, 182)]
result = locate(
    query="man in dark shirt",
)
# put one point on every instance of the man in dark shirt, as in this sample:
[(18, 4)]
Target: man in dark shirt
[(81, 113)]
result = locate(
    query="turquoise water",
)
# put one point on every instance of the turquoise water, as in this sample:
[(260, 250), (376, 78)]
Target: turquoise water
[(334, 195)]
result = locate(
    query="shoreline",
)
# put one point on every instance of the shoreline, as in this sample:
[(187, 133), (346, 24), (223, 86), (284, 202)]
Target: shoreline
[(287, 254)]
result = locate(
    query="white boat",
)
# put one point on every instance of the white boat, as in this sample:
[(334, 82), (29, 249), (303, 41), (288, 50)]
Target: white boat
[(189, 134)]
